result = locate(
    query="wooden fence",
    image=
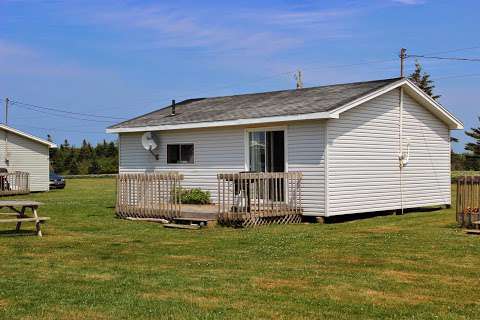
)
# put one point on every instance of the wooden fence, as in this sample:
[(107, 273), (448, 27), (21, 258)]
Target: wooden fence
[(148, 195), (249, 199), (12, 183), (468, 201)]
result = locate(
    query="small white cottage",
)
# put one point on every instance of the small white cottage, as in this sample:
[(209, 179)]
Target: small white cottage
[(24, 152), (362, 147)]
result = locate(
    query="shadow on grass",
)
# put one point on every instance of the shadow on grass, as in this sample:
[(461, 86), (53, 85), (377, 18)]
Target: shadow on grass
[(368, 215), (13, 233)]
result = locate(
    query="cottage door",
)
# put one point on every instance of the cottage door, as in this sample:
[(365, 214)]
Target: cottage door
[(267, 151), (267, 154)]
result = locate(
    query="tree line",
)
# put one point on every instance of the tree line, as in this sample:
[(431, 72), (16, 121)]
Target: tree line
[(470, 158), (86, 159)]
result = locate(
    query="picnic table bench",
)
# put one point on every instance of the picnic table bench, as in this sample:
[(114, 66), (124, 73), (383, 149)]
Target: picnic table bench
[(19, 208)]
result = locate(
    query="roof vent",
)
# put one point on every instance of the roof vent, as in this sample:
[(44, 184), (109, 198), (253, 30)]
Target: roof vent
[(173, 107)]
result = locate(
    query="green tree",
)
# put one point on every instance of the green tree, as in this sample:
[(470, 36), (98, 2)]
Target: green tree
[(94, 166), (423, 81), (68, 159), (74, 167), (474, 147), (85, 151)]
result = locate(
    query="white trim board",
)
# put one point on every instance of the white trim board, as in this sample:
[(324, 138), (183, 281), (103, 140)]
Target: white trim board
[(224, 123), (416, 93), (411, 89), (27, 135)]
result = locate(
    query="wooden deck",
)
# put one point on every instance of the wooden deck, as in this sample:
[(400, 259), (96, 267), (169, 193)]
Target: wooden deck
[(148, 195), (14, 183), (468, 202), (243, 199), (250, 199)]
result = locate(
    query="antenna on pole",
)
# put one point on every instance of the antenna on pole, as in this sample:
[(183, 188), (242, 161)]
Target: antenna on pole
[(298, 78), (403, 56), (7, 101)]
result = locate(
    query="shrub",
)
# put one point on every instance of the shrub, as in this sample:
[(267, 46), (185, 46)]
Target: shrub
[(194, 196)]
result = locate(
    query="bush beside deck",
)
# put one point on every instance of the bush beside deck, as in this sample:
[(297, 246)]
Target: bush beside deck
[(91, 265)]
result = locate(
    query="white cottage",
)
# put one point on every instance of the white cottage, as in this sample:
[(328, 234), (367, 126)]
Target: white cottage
[(26, 153), (362, 147)]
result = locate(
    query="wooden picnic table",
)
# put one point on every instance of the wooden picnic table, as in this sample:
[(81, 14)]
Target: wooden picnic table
[(19, 208)]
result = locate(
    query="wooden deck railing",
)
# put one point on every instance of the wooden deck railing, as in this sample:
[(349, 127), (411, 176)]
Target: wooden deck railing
[(148, 195), (12, 183), (248, 199), (468, 201)]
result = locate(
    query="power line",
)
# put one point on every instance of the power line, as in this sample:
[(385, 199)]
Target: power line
[(63, 130), (459, 76), (443, 58), (291, 73), (60, 116), (453, 50), (64, 111)]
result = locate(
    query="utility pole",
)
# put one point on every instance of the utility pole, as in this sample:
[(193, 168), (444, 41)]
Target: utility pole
[(298, 77), (7, 101), (403, 56)]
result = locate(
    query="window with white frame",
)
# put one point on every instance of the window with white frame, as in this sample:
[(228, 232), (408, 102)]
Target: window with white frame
[(180, 153)]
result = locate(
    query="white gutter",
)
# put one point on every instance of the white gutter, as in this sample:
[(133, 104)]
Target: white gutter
[(428, 102), (225, 123), (27, 135)]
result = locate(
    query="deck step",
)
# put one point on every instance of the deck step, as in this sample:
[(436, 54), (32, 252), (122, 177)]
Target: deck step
[(202, 222), (182, 226), (472, 231)]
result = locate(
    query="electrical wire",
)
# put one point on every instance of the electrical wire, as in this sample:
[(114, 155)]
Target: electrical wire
[(64, 111), (66, 114), (452, 50), (61, 116), (443, 58), (459, 76), (62, 130), (291, 72)]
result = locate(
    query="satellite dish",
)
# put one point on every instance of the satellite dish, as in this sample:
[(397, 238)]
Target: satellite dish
[(148, 142)]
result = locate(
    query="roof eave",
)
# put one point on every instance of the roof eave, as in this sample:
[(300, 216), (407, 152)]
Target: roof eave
[(427, 101), (225, 123), (28, 136)]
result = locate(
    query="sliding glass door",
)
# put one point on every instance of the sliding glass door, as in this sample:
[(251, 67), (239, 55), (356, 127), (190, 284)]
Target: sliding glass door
[(267, 151)]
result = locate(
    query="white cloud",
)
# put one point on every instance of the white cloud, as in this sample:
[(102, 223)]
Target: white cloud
[(256, 32)]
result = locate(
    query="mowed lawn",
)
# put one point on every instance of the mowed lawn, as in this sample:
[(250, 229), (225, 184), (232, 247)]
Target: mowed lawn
[(90, 265)]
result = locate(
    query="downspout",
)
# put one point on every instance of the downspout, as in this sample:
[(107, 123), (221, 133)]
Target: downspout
[(403, 157), (400, 155), (7, 153)]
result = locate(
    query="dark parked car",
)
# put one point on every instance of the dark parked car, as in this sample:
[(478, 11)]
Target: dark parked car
[(56, 181)]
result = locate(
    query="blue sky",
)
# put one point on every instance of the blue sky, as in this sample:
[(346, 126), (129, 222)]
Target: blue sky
[(125, 58)]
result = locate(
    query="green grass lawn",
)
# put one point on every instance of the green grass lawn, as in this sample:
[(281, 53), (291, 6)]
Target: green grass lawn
[(90, 265)]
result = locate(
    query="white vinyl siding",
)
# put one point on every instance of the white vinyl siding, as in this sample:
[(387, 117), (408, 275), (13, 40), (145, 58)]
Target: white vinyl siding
[(306, 153), (223, 150), (28, 156), (427, 175), (363, 172), (216, 150), (363, 166)]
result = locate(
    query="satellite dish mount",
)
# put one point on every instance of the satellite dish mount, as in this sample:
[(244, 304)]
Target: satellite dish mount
[(149, 143)]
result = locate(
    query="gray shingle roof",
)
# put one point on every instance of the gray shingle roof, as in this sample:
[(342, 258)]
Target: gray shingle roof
[(258, 105)]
